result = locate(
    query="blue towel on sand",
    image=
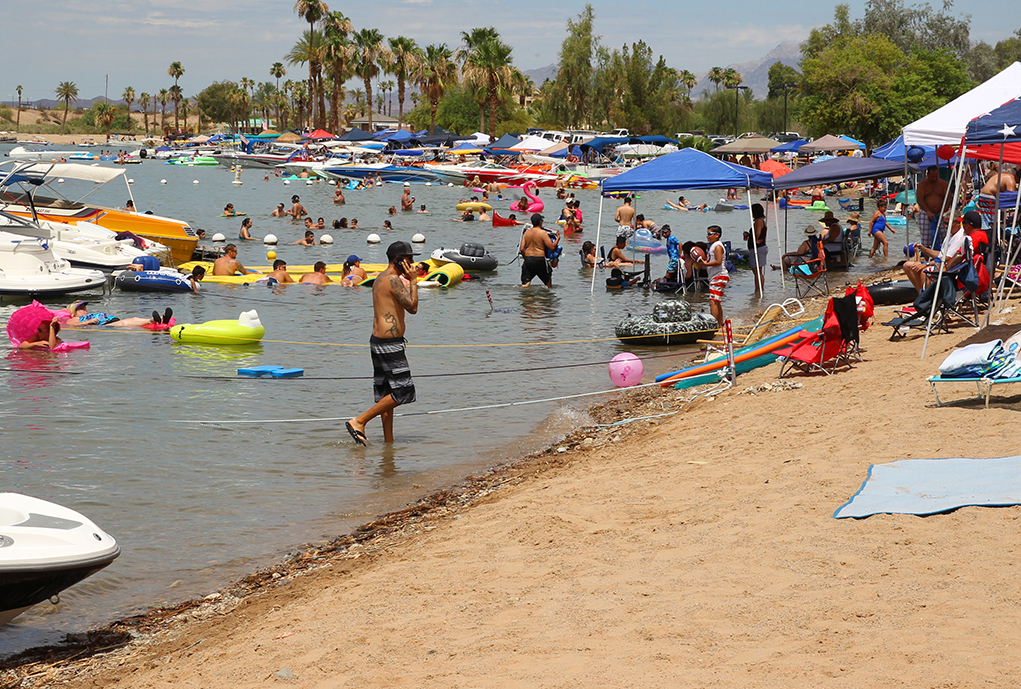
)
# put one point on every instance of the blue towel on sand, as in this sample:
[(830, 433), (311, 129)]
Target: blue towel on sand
[(931, 486)]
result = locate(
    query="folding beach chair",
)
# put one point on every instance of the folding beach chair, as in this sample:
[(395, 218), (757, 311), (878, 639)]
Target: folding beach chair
[(828, 348), (810, 278), (917, 316)]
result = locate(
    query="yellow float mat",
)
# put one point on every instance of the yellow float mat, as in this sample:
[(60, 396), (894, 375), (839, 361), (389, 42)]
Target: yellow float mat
[(446, 275), (217, 332), (473, 206), (330, 267)]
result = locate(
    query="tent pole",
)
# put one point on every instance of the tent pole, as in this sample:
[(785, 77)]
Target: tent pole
[(907, 226), (599, 224), (943, 247), (776, 221), (999, 227)]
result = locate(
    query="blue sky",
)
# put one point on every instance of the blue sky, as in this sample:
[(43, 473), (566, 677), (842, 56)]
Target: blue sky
[(49, 41)]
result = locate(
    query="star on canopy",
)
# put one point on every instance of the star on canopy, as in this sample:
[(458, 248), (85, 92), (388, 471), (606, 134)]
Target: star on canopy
[(1007, 130)]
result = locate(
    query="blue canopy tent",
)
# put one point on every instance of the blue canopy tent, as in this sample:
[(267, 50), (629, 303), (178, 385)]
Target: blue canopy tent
[(656, 139), (688, 168), (840, 169), (895, 150), (789, 147), (861, 145), (995, 136), (355, 134)]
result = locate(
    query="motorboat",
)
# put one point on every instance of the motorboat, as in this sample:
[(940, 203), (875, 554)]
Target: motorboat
[(193, 161), (44, 549), (29, 267), (388, 172), (261, 154), (22, 153), (175, 234)]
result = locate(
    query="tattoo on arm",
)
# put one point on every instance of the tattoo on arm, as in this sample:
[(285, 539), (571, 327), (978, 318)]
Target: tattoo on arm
[(402, 296), (392, 331)]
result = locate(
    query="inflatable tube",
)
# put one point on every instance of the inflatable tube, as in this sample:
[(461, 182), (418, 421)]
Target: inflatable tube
[(752, 351), (645, 243), (792, 203), (152, 281), (898, 220), (471, 257), (473, 206), (161, 326), (446, 275), (233, 215), (817, 206), (247, 329), (536, 204), (503, 222), (70, 346), (671, 322), (890, 292), (723, 207)]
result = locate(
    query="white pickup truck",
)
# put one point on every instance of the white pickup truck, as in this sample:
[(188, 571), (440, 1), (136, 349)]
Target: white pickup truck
[(620, 132)]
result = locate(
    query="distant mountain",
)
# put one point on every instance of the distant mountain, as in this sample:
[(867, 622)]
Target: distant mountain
[(756, 72), (540, 75), (83, 103)]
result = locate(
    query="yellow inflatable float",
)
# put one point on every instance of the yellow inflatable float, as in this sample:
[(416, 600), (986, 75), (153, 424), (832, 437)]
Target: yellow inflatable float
[(247, 329), (474, 206)]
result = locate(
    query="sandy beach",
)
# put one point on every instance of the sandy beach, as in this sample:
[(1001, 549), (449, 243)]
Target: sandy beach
[(697, 549)]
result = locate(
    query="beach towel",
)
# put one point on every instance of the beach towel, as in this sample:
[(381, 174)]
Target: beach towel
[(932, 486)]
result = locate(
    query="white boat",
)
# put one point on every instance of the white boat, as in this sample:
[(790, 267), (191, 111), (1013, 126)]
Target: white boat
[(22, 153), (29, 267), (44, 549)]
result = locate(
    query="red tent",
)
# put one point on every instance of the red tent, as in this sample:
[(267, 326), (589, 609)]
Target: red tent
[(321, 134)]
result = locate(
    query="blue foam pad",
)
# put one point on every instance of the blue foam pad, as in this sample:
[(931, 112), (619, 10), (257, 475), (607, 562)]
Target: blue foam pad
[(288, 373), (258, 371)]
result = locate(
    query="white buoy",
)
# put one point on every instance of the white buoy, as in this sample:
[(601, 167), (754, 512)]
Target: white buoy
[(194, 181), (450, 184), (331, 182), (418, 238), (326, 239), (309, 182), (131, 181), (428, 184), (218, 237), (373, 238), (60, 181), (287, 181), (269, 239), (163, 181)]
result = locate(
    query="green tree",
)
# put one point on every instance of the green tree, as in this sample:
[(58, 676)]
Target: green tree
[(104, 116), (438, 73), (176, 71), (216, 101), (18, 88), (277, 70), (371, 54), (128, 97), (716, 75), (731, 77), (567, 98), (313, 12), (143, 100), (66, 91), (164, 98), (470, 42), (406, 63), (780, 75)]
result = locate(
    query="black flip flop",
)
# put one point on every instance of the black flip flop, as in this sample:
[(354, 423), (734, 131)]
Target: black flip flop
[(356, 435), (156, 317), (167, 315)]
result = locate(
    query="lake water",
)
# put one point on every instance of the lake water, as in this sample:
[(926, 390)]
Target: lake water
[(113, 432)]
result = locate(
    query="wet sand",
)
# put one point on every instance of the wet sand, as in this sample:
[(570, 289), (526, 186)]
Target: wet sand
[(692, 550)]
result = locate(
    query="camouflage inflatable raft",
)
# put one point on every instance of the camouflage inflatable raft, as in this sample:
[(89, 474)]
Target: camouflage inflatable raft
[(672, 322)]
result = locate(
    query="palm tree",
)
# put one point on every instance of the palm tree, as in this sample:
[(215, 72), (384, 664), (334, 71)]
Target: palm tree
[(407, 59), (338, 53), (105, 114), (18, 88), (313, 11), (67, 92), (489, 70), (371, 54), (688, 80), (163, 96), (470, 42), (129, 97), (143, 100), (277, 70), (716, 76), (299, 92), (731, 77), (176, 71), (176, 95), (437, 72)]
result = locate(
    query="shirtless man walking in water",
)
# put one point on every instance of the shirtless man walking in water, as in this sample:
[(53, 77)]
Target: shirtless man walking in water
[(392, 385), (931, 194), (535, 242), (624, 219)]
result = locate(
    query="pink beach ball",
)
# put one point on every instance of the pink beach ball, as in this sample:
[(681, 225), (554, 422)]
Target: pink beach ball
[(626, 370)]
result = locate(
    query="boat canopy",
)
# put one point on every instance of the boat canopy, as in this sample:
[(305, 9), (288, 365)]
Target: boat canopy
[(688, 168), (355, 134), (654, 139), (789, 147), (89, 173), (597, 144)]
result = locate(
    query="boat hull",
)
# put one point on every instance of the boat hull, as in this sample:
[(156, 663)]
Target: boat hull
[(20, 590)]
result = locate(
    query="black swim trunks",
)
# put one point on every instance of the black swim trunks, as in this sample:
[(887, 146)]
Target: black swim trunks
[(535, 267), (391, 373)]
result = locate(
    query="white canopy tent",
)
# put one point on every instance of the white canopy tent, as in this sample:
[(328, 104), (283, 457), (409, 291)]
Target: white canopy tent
[(948, 124)]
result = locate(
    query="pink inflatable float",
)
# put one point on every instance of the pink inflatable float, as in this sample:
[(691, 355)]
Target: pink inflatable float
[(535, 206)]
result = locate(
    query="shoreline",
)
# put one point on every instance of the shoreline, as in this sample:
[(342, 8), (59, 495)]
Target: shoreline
[(381, 533)]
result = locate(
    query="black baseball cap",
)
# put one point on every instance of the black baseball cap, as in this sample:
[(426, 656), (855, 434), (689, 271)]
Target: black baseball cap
[(398, 249), (972, 218), (536, 219)]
